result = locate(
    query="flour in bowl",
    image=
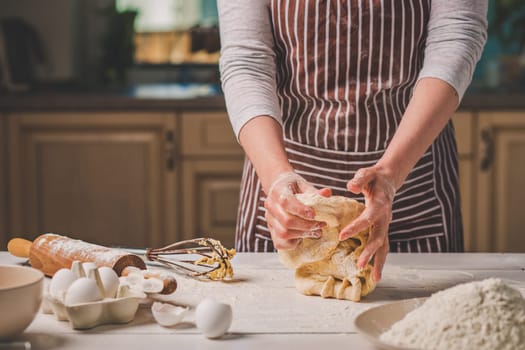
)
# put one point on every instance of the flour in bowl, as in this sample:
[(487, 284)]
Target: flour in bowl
[(479, 315)]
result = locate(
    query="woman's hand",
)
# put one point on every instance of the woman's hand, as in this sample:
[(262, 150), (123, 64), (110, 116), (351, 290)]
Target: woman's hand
[(288, 219), (378, 187)]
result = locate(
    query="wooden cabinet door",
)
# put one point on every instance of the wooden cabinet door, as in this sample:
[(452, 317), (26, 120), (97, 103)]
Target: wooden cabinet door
[(100, 177), (500, 189), (211, 198)]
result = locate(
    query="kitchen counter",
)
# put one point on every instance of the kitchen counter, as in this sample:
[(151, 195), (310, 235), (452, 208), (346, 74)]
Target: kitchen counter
[(501, 100), (78, 100), (93, 102), (268, 311)]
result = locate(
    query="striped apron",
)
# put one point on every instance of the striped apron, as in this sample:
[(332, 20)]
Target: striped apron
[(345, 74)]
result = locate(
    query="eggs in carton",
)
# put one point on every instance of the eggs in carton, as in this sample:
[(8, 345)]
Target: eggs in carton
[(88, 296)]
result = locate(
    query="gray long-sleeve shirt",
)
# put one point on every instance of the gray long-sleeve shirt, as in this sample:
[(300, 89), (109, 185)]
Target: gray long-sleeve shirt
[(456, 34)]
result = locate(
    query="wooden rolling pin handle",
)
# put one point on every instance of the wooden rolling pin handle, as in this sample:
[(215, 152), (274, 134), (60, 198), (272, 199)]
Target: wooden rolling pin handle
[(19, 247)]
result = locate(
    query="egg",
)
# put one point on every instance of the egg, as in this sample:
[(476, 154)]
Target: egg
[(212, 318), (134, 280), (152, 285), (60, 283), (166, 314), (110, 281), (83, 290)]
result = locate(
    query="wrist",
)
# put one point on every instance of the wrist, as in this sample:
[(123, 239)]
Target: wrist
[(287, 177), (270, 174), (391, 172), (266, 152)]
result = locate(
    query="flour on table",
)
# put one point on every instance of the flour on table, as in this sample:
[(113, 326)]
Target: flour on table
[(478, 315)]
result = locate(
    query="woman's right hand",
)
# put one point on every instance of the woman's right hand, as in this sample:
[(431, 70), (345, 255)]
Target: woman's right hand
[(288, 219)]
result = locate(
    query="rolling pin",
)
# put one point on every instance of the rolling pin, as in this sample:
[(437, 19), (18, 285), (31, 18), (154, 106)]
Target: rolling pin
[(51, 252)]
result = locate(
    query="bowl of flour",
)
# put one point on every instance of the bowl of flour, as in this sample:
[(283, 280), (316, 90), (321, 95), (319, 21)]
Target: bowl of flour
[(480, 315)]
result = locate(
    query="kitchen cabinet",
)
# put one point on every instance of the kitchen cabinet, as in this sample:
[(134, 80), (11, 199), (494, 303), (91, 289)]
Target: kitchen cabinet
[(212, 168), (141, 179), (491, 149), (500, 168), (149, 178), (211, 198), (3, 182), (102, 177)]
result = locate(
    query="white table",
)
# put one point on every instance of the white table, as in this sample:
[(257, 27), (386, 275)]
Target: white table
[(270, 313)]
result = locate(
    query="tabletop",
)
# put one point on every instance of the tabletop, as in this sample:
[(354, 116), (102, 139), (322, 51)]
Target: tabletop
[(268, 311)]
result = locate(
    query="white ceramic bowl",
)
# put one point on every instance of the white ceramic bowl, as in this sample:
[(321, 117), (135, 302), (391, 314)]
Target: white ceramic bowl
[(20, 298), (377, 320)]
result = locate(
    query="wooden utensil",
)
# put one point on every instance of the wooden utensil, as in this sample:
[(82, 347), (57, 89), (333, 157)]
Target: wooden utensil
[(51, 252)]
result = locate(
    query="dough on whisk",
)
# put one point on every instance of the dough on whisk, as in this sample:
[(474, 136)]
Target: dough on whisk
[(326, 266)]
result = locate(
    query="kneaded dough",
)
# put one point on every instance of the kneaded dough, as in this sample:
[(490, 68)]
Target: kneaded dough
[(326, 266)]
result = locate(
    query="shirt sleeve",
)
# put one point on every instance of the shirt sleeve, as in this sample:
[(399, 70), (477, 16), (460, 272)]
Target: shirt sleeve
[(456, 35), (247, 62)]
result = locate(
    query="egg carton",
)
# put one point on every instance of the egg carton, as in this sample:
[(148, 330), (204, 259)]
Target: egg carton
[(121, 309), (94, 297)]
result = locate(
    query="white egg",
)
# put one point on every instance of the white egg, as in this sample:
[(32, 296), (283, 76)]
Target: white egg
[(110, 281), (166, 314), (212, 318), (60, 283), (152, 285), (134, 280), (83, 290)]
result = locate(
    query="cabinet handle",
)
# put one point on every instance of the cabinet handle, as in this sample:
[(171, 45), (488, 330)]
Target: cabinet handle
[(170, 150), (487, 150)]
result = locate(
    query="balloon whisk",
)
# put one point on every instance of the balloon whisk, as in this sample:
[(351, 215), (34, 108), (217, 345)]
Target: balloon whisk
[(200, 258)]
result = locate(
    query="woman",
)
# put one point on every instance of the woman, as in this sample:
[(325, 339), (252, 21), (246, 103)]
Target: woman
[(354, 97)]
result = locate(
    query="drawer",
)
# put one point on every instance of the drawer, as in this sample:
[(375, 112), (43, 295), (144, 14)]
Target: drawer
[(208, 134)]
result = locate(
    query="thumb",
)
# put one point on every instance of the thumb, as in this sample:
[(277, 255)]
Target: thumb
[(306, 187), (325, 192), (361, 178)]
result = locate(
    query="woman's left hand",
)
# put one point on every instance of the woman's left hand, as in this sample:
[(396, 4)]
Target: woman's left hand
[(379, 189)]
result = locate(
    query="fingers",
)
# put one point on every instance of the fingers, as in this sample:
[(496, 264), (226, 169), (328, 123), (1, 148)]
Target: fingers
[(379, 261), (285, 232), (285, 238), (287, 229), (293, 206), (377, 241), (280, 243), (285, 244), (289, 220), (377, 238), (362, 222), (283, 190)]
